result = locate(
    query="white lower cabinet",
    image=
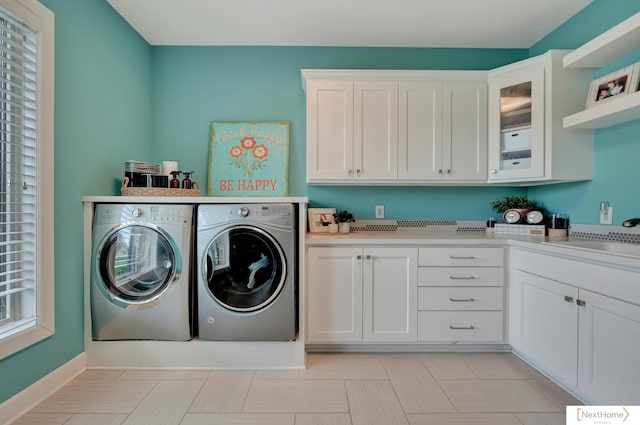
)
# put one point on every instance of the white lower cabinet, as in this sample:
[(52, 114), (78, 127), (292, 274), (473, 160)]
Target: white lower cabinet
[(361, 294), (544, 324), (460, 295), (609, 349), (587, 341)]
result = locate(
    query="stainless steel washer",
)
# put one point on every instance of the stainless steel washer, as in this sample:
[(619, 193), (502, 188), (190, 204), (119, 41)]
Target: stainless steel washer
[(246, 272), (140, 280)]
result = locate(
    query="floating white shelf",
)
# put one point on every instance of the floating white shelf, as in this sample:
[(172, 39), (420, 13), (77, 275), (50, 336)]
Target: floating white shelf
[(616, 111), (616, 43)]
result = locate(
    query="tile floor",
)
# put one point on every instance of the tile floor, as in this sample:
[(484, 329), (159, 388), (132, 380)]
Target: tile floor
[(335, 389)]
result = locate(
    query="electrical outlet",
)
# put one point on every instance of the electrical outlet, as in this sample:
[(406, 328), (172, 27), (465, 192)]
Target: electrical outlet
[(606, 215), (379, 211)]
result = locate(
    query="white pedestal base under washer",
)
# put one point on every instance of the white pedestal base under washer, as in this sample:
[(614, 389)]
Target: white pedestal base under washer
[(246, 256), (140, 277)]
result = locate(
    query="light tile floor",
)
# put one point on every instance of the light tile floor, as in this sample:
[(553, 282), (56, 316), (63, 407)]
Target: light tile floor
[(335, 389)]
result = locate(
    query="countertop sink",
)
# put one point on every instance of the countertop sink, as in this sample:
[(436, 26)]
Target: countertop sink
[(601, 246)]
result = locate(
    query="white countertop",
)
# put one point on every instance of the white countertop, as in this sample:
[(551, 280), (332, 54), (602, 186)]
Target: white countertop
[(604, 253), (405, 237), (196, 199)]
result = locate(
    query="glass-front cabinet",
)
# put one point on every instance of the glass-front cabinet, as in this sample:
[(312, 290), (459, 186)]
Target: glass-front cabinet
[(527, 143), (519, 98)]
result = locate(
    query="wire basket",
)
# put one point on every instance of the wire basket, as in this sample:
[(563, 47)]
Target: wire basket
[(158, 191)]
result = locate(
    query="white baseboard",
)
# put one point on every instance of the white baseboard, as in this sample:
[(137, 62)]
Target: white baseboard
[(37, 392)]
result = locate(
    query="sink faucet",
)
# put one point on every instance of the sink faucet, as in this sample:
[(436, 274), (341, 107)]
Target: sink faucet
[(632, 222)]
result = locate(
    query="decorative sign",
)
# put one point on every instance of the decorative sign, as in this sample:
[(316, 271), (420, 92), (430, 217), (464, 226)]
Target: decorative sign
[(249, 158)]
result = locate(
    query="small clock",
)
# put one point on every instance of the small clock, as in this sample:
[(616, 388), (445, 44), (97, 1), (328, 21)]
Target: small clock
[(512, 216), (535, 217)]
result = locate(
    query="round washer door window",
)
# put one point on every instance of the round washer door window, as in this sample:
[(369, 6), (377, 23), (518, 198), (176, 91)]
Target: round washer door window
[(245, 268), (136, 264)]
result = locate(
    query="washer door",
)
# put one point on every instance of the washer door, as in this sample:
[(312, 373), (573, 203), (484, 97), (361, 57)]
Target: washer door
[(136, 265), (245, 268)]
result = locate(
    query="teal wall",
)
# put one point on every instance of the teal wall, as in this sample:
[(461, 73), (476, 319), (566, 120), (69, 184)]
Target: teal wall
[(102, 118), (264, 83), (117, 98), (616, 149)]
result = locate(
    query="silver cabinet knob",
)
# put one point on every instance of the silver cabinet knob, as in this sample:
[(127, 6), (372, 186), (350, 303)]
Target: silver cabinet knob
[(494, 171)]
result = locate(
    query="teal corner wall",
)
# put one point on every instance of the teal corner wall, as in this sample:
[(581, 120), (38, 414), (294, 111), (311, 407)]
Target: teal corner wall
[(616, 149), (102, 118)]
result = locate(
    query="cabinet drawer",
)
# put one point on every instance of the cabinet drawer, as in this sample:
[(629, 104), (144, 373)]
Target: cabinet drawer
[(460, 276), (464, 326), (460, 257), (448, 298)]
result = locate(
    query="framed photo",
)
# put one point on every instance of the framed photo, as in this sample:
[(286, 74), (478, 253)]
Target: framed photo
[(614, 85), (320, 218)]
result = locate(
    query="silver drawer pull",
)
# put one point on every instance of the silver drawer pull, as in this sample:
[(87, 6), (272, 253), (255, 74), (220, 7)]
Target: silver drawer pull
[(461, 327), (463, 257), (461, 277), (461, 300)]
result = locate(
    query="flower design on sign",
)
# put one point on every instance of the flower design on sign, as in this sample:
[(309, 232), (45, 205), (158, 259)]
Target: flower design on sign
[(249, 162), (260, 151)]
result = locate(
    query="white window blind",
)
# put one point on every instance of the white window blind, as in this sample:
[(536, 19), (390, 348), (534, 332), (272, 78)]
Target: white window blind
[(26, 174), (18, 165)]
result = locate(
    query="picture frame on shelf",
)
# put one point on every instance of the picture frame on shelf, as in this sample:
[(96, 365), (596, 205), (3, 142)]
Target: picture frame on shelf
[(320, 219), (613, 85)]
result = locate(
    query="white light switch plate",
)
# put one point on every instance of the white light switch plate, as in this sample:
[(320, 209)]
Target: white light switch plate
[(379, 211)]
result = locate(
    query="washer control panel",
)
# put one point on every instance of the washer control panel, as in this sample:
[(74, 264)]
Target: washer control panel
[(155, 214)]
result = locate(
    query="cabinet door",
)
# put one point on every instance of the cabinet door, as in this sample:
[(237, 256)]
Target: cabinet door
[(390, 294), (334, 294), (375, 130), (544, 323), (329, 130), (420, 131), (516, 124), (609, 350), (464, 138)]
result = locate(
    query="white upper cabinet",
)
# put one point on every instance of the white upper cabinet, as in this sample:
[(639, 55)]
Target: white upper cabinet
[(396, 127), (620, 41), (442, 131), (465, 131), (352, 131), (420, 131), (527, 141), (330, 130), (375, 141)]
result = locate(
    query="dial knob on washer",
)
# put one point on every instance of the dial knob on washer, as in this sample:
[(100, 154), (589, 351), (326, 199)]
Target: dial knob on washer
[(243, 212), (137, 212)]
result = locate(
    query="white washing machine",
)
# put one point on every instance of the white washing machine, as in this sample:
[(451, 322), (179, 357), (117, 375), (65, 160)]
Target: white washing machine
[(140, 277), (247, 281)]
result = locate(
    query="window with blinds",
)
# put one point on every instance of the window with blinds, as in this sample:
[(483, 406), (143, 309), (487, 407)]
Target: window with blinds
[(26, 174), (17, 173)]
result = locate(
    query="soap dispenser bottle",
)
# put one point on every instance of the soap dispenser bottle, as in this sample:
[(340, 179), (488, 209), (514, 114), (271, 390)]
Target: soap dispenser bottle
[(187, 183), (175, 183)]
